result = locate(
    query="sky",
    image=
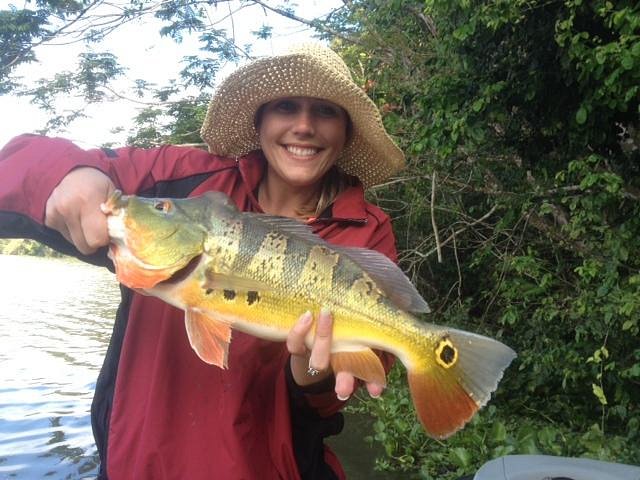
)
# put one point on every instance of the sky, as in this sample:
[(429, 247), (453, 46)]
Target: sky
[(146, 55)]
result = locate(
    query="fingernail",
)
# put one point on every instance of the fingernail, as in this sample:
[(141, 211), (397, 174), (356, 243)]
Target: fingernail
[(306, 317), (325, 312), (377, 395), (343, 399)]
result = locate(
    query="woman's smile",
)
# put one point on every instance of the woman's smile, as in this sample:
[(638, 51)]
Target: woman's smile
[(302, 151)]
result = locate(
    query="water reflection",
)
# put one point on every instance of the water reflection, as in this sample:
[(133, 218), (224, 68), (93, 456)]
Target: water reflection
[(56, 323)]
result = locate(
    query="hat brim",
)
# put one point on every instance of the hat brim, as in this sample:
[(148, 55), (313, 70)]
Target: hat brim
[(229, 130)]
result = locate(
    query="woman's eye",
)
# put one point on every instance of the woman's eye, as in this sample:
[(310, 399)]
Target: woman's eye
[(285, 106), (326, 110)]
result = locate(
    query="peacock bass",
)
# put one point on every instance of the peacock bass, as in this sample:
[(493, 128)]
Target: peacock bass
[(258, 273)]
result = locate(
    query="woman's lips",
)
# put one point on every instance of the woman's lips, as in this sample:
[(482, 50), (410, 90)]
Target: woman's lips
[(299, 151)]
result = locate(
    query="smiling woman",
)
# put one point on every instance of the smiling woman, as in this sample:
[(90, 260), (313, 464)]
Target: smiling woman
[(316, 144)]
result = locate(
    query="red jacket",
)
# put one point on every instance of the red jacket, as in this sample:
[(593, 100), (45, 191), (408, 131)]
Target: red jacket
[(159, 412)]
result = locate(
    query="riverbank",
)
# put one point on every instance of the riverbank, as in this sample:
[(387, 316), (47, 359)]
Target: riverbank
[(19, 246)]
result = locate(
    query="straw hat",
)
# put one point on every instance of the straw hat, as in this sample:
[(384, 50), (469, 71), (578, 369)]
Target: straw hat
[(308, 70)]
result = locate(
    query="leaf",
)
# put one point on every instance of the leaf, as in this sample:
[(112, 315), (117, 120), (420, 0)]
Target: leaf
[(628, 62), (498, 432), (581, 115), (599, 393), (461, 457)]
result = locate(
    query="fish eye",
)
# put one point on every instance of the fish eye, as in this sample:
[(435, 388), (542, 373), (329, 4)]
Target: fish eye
[(163, 206)]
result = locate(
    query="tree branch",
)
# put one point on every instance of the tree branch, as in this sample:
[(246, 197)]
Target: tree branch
[(311, 23), (458, 232), (433, 217)]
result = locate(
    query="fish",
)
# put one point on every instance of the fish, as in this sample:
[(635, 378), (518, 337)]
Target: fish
[(256, 273)]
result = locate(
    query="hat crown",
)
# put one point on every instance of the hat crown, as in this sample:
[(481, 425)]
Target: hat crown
[(323, 55)]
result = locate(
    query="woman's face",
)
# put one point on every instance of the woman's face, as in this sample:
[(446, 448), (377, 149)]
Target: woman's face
[(301, 137)]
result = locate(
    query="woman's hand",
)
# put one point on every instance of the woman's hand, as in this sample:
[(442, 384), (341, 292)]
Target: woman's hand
[(73, 208), (304, 361)]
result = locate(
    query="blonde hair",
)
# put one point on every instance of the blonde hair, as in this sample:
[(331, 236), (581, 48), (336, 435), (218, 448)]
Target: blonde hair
[(334, 183)]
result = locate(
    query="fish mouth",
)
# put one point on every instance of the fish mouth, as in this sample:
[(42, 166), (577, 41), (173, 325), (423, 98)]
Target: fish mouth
[(183, 273)]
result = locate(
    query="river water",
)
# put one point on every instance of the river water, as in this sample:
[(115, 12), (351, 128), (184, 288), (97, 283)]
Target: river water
[(56, 318)]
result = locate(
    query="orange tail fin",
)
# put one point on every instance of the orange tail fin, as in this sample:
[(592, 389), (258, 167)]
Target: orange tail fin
[(455, 380)]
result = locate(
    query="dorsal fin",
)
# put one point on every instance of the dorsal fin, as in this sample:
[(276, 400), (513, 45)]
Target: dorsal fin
[(387, 275), (287, 225)]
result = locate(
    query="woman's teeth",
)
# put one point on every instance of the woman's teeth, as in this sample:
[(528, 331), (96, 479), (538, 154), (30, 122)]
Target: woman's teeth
[(302, 151)]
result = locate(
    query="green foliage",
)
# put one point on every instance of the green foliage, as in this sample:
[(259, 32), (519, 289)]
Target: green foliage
[(17, 28), (21, 29), (493, 433), (175, 123), (524, 116), (95, 72), (18, 246)]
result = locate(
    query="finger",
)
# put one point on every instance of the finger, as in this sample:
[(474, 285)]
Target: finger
[(94, 229), (296, 337), (321, 350), (73, 208), (374, 389), (55, 222), (76, 232), (66, 221), (345, 383)]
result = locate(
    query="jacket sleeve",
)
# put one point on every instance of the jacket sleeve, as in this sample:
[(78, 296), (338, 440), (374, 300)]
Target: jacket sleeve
[(31, 166)]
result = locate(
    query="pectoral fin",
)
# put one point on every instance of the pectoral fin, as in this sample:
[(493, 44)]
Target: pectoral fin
[(363, 364), (208, 337), (219, 281)]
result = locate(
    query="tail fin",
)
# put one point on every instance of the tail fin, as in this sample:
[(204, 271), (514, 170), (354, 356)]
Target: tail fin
[(451, 384)]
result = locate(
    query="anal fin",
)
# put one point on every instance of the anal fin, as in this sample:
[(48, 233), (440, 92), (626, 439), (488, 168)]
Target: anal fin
[(209, 337), (363, 364)]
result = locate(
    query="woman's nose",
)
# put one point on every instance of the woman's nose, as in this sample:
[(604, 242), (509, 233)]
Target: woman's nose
[(303, 123)]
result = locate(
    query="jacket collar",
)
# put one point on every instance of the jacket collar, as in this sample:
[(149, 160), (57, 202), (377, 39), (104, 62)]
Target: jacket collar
[(349, 206)]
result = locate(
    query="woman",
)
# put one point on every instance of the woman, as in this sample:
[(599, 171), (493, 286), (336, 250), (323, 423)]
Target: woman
[(289, 135)]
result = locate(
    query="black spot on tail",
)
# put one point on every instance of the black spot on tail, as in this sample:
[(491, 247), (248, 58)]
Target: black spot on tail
[(447, 354)]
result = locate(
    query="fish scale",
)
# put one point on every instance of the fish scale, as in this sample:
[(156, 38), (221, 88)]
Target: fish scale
[(257, 273)]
